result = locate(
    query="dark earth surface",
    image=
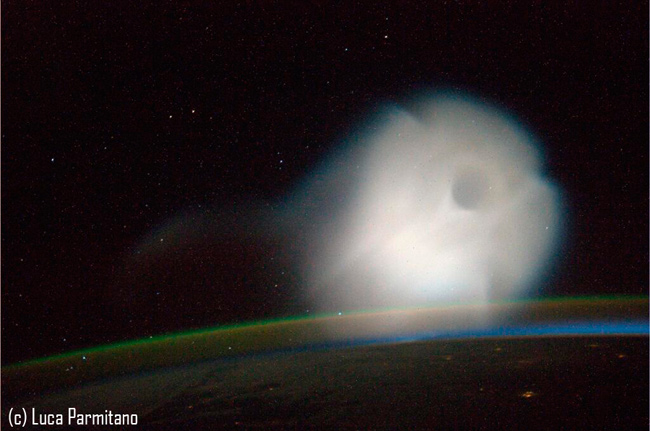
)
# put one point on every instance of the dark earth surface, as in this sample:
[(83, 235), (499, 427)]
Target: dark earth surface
[(523, 383)]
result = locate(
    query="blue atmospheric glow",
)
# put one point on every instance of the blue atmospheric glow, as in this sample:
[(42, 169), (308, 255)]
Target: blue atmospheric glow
[(565, 329), (632, 328)]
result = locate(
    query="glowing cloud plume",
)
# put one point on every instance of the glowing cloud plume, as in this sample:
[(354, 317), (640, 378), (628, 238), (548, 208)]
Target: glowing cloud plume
[(447, 203)]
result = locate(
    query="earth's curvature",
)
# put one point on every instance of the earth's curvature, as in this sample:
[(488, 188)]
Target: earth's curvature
[(563, 364)]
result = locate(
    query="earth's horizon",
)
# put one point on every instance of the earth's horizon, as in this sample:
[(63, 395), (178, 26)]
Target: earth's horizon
[(412, 368)]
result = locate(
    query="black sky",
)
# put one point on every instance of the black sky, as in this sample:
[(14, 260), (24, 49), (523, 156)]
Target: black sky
[(118, 116)]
